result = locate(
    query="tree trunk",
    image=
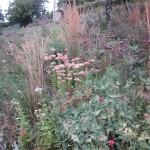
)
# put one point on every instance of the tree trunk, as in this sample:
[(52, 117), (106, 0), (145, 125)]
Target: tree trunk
[(108, 5)]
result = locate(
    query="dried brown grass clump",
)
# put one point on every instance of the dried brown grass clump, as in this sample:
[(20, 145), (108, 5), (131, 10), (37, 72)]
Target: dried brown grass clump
[(31, 58), (72, 29)]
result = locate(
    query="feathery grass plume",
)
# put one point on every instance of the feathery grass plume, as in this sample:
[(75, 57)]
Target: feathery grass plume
[(147, 5), (148, 16), (134, 15), (72, 29), (31, 58)]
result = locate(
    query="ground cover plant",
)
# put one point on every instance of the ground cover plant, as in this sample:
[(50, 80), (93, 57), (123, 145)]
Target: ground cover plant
[(77, 85)]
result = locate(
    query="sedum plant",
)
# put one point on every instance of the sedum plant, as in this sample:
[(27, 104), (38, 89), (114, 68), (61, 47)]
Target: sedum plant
[(108, 121)]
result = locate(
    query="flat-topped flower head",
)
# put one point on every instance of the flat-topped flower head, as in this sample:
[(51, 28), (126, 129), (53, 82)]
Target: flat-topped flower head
[(111, 143), (100, 99)]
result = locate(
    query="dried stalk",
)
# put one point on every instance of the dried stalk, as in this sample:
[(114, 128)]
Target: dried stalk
[(72, 29)]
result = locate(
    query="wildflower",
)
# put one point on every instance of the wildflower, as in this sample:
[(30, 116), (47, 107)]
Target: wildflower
[(96, 71), (108, 61), (59, 78), (46, 58), (76, 79), (61, 108), (100, 99), (122, 97), (18, 91), (121, 43), (22, 133), (81, 65), (66, 50), (77, 59), (3, 61), (63, 81), (69, 75), (53, 56), (43, 114), (92, 60), (68, 65), (111, 143), (38, 90), (52, 50), (86, 63), (53, 63), (146, 116), (103, 138), (76, 66), (14, 128), (108, 47), (70, 79)]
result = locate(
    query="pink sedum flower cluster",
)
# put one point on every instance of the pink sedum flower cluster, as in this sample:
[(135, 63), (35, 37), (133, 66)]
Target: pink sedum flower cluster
[(67, 70)]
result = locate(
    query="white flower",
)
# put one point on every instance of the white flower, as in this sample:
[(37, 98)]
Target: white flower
[(18, 91), (38, 90), (43, 114)]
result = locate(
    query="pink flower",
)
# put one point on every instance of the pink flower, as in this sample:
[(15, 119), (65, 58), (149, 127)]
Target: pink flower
[(52, 50), (46, 58), (4, 61), (70, 79), (77, 79), (92, 60), (53, 56), (61, 108), (100, 99), (86, 63), (53, 63), (108, 47), (108, 61), (146, 116), (111, 143), (96, 71), (68, 65), (76, 66), (77, 59), (122, 97), (69, 75)]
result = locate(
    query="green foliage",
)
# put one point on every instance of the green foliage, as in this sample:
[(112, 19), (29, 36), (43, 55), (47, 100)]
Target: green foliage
[(93, 124), (47, 137), (24, 129), (24, 11)]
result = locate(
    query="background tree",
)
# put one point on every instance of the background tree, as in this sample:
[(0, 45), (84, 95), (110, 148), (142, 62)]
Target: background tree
[(1, 16), (1, 19), (80, 2), (24, 12)]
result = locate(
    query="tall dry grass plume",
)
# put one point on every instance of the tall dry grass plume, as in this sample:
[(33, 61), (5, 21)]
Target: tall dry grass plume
[(31, 58), (72, 29), (147, 5), (134, 15)]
